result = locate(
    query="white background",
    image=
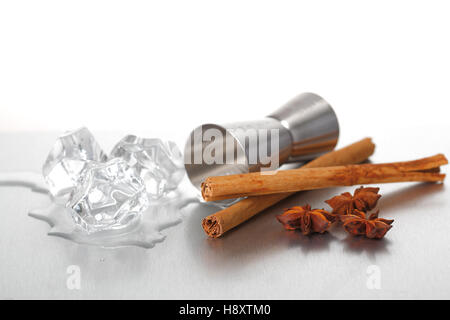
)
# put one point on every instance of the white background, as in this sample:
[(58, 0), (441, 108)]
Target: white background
[(165, 67)]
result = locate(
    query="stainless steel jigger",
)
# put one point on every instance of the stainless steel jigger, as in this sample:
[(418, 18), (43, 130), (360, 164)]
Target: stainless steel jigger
[(307, 127)]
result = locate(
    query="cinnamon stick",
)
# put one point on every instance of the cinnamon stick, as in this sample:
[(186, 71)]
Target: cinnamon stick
[(217, 224), (255, 184)]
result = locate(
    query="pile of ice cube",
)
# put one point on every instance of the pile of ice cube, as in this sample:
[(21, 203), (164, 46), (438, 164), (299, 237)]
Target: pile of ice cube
[(110, 192)]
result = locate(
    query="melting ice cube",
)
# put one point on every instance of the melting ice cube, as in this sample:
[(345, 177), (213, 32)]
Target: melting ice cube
[(159, 163), (110, 197), (68, 159)]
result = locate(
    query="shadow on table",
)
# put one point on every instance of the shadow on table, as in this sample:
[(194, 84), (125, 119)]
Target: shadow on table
[(405, 196), (259, 237), (263, 236), (371, 247)]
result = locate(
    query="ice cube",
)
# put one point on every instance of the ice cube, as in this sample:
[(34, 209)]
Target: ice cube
[(159, 163), (111, 196), (68, 159)]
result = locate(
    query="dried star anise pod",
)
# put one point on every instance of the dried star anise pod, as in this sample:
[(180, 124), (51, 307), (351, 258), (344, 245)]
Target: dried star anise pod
[(307, 220), (373, 228), (364, 199)]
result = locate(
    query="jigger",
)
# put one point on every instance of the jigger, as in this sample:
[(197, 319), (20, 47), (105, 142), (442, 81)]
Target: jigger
[(301, 130)]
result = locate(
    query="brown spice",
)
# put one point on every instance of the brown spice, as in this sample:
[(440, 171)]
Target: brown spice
[(217, 224), (255, 183), (356, 223), (307, 220), (350, 210), (363, 199)]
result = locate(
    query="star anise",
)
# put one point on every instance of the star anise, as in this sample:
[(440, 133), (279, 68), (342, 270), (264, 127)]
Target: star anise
[(364, 199), (307, 220), (373, 228)]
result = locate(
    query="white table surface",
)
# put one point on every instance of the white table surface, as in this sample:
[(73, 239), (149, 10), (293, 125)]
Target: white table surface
[(258, 260)]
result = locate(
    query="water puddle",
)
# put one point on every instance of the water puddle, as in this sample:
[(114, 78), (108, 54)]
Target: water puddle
[(145, 233), (31, 180)]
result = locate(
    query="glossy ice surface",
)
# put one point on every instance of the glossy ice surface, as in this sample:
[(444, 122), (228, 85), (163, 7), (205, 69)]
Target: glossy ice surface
[(111, 196), (68, 158), (159, 163)]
